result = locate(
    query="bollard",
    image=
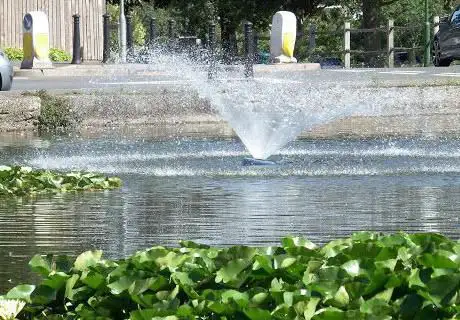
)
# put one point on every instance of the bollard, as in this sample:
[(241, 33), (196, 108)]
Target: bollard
[(256, 47), (212, 49), (248, 50), (106, 34), (76, 59), (153, 32), (129, 36), (171, 29)]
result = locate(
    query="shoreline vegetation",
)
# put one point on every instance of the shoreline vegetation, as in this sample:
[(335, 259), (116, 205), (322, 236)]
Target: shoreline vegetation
[(366, 276), (23, 181)]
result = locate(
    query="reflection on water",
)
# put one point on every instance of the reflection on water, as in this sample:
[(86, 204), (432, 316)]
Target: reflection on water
[(198, 190)]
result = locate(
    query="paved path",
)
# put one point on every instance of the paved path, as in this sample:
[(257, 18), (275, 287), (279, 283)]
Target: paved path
[(143, 79)]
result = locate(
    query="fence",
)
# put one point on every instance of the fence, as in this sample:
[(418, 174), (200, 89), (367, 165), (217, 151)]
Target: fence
[(389, 51), (60, 20)]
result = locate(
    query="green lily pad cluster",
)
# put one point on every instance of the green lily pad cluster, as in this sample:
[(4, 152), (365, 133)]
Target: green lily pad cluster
[(367, 276), (17, 180)]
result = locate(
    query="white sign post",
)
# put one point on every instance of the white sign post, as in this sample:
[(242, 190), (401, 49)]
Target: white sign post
[(36, 43), (282, 37)]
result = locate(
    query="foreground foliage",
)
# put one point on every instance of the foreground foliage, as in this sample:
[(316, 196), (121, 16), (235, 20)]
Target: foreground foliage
[(16, 180), (367, 276)]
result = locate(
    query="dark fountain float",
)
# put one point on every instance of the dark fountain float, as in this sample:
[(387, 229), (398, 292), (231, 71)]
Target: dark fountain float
[(258, 162)]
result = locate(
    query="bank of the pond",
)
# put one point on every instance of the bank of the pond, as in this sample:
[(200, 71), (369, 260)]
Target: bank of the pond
[(163, 111), (366, 276)]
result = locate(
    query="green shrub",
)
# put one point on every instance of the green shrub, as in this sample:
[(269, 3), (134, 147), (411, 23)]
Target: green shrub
[(55, 54), (55, 111), (58, 55), (14, 54)]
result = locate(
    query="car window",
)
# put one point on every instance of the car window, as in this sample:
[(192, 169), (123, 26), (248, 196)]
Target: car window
[(455, 19)]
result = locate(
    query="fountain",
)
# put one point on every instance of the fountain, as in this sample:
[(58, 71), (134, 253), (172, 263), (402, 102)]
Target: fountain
[(197, 189)]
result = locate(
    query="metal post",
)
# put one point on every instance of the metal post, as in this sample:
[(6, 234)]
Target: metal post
[(76, 59), (212, 49), (435, 24), (256, 47), (391, 44), (347, 58), (106, 34), (171, 29), (427, 55), (248, 50), (129, 36), (153, 32), (122, 32)]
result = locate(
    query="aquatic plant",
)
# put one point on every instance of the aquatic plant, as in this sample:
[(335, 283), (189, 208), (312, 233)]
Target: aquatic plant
[(10, 308), (17, 180), (367, 276)]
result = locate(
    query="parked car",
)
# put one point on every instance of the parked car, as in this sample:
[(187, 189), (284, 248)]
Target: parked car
[(446, 42), (6, 72)]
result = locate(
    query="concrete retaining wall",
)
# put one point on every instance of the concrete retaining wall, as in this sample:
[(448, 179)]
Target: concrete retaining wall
[(18, 113), (178, 111)]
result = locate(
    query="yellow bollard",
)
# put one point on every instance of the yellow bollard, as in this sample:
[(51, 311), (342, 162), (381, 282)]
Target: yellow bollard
[(36, 41)]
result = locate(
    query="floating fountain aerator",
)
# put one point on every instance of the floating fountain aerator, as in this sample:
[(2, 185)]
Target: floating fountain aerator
[(258, 162)]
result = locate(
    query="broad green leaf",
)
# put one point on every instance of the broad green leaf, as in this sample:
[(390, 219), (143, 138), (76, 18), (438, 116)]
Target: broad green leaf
[(56, 280), (241, 298), (389, 264), (437, 261), (288, 298), (329, 313), (140, 286), (283, 261), (120, 285), (92, 279), (70, 283), (43, 295), (40, 265), (364, 236), (259, 298), (220, 308), (341, 298), (411, 305), (191, 244), (21, 292), (414, 279), (310, 309), (442, 289), (376, 306), (351, 267), (87, 259), (263, 262), (257, 314), (290, 242), (385, 295), (232, 270)]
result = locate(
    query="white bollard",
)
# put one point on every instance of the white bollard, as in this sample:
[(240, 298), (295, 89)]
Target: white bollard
[(283, 37), (36, 41)]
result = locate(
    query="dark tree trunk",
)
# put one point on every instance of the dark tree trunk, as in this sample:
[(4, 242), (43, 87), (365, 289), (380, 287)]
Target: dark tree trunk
[(370, 21), (229, 44)]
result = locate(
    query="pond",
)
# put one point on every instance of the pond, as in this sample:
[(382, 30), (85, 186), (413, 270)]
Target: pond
[(197, 189)]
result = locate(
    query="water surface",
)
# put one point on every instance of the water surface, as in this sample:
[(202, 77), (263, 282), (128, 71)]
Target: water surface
[(197, 189)]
